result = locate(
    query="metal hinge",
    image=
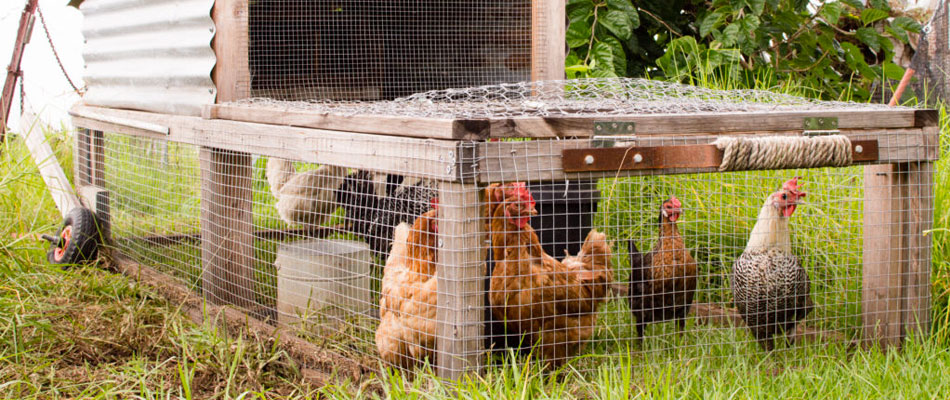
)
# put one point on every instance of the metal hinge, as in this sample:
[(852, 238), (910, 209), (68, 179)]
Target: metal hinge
[(820, 126), (607, 133)]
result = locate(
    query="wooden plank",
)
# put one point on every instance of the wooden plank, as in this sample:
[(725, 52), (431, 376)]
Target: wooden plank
[(700, 124), (54, 177), (669, 157), (461, 282), (409, 156), (435, 128), (81, 165), (227, 238), (97, 159), (884, 251), (541, 160), (266, 234), (548, 30), (919, 218), (231, 73)]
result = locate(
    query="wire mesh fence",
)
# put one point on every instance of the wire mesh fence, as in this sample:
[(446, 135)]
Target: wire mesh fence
[(373, 50), (377, 264)]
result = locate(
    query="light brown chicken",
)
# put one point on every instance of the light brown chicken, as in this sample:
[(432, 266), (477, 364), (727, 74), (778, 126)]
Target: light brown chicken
[(407, 304), (553, 304)]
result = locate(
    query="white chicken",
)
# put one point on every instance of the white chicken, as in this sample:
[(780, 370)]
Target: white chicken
[(305, 198)]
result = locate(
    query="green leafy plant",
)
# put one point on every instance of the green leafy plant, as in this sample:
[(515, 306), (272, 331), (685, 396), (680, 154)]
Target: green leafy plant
[(835, 49)]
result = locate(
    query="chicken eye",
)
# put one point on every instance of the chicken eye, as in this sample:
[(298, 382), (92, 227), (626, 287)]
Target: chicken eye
[(784, 196)]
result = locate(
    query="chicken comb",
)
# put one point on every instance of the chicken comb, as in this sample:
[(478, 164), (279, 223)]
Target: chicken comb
[(792, 185), (521, 189), (434, 203), (676, 202)]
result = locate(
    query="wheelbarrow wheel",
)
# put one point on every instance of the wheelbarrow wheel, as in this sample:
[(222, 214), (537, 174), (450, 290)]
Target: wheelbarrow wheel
[(77, 241)]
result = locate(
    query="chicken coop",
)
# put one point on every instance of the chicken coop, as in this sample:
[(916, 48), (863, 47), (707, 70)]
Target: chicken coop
[(414, 183)]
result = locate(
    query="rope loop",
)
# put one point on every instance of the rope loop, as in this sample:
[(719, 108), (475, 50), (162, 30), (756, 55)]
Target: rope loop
[(783, 152)]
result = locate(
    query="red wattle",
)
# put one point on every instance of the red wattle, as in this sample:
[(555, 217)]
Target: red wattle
[(788, 210)]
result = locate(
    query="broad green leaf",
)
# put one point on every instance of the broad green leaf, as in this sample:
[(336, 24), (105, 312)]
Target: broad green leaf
[(907, 23), (872, 15), (856, 4), (831, 12), (757, 6), (893, 71), (881, 4), (619, 56), (730, 35), (710, 22), (628, 9), (602, 56), (578, 34), (603, 73), (580, 12), (870, 37), (617, 23)]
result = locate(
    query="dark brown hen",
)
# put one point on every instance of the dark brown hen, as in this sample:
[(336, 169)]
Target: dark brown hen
[(663, 281)]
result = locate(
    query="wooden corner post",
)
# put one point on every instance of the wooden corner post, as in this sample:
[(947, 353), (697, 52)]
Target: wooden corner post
[(227, 217), (461, 281), (898, 209), (548, 32)]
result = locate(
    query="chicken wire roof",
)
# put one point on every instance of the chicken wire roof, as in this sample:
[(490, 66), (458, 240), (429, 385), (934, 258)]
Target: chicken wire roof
[(584, 97)]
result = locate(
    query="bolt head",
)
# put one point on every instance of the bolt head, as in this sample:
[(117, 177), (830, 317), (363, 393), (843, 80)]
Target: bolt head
[(859, 149), (637, 158), (589, 159)]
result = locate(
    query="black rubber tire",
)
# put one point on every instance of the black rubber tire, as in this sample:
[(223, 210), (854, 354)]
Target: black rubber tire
[(79, 239)]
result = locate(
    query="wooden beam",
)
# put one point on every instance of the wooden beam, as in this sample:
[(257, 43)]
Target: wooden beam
[(548, 32), (461, 282), (700, 124), (266, 234), (227, 221), (427, 158), (919, 219), (542, 160), (898, 208), (54, 177), (231, 73), (435, 128), (613, 159), (81, 168)]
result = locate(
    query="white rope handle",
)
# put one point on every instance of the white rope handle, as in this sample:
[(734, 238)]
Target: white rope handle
[(781, 152)]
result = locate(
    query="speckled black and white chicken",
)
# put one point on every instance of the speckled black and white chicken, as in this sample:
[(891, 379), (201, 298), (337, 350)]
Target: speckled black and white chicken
[(769, 285), (376, 203)]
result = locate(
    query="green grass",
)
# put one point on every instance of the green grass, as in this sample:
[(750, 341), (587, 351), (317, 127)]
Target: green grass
[(88, 333)]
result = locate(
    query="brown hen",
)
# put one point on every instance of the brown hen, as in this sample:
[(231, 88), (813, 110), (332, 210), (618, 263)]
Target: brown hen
[(552, 304), (407, 304), (663, 281)]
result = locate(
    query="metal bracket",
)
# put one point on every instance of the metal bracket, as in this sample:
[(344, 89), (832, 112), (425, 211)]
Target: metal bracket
[(820, 126), (466, 161), (615, 130)]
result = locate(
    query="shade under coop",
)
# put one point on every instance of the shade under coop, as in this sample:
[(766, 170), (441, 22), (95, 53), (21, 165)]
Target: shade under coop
[(497, 210)]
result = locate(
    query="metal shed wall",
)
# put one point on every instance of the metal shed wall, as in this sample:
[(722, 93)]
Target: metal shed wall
[(150, 55)]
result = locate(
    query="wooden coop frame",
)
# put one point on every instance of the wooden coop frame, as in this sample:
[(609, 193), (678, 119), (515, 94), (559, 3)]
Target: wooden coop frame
[(898, 148)]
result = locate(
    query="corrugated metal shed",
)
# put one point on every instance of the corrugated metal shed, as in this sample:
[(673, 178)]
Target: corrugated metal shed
[(151, 55)]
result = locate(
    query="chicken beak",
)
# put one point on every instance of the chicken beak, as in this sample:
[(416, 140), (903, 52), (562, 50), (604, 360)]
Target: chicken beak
[(532, 211)]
